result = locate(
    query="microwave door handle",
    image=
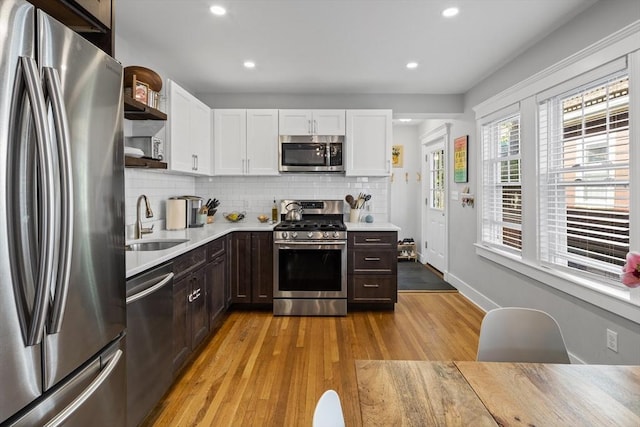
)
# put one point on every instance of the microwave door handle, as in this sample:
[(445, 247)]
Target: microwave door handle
[(61, 125), (46, 208)]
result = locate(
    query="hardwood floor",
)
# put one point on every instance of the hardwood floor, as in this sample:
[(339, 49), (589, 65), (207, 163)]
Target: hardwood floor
[(261, 370)]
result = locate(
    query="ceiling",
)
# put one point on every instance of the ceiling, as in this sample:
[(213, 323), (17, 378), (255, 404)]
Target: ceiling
[(336, 46)]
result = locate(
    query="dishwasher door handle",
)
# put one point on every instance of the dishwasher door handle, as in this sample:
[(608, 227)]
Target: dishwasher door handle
[(150, 289)]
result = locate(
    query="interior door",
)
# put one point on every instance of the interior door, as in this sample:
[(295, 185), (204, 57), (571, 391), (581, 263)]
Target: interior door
[(435, 189)]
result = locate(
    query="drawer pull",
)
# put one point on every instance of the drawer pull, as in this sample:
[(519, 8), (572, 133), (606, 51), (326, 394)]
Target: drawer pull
[(364, 285), (372, 240), (194, 295), (371, 258)]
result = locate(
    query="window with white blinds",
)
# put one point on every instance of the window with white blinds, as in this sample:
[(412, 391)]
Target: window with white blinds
[(584, 177), (501, 190)]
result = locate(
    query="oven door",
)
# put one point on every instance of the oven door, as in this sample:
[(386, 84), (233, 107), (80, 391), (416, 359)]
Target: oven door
[(310, 270)]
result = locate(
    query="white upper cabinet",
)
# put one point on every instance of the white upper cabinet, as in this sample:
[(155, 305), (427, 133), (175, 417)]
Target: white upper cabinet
[(189, 132), (368, 143), (245, 142), (312, 122)]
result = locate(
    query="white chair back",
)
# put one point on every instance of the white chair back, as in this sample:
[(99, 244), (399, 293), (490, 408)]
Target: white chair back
[(328, 412), (514, 334)]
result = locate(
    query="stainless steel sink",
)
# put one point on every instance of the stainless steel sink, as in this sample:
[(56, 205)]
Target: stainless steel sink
[(153, 244)]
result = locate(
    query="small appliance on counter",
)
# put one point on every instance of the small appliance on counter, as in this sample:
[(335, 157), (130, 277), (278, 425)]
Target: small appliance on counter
[(152, 147), (193, 206)]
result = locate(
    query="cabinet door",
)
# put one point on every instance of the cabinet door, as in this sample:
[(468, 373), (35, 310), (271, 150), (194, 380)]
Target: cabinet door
[(262, 142), (295, 122), (368, 143), (180, 153), (329, 122), (216, 282), (181, 322), (198, 308), (200, 136), (229, 142), (227, 283), (100, 9), (262, 267), (241, 267)]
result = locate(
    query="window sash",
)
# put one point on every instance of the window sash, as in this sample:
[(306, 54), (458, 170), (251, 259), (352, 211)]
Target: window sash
[(502, 191), (584, 178)]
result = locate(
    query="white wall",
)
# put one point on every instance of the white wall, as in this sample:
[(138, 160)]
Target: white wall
[(489, 284), (405, 188)]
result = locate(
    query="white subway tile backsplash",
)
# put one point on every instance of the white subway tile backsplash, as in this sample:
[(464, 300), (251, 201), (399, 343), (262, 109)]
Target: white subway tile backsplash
[(253, 194)]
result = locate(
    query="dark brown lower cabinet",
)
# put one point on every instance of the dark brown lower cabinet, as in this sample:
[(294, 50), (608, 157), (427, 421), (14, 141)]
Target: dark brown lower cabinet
[(372, 268), (251, 267), (190, 319), (216, 292)]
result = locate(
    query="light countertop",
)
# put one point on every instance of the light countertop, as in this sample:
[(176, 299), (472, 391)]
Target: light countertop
[(371, 226), (139, 261)]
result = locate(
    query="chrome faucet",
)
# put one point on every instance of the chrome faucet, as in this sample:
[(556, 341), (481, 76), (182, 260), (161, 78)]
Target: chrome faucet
[(139, 230)]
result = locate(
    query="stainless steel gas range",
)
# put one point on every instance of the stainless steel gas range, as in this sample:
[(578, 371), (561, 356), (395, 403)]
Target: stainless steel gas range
[(310, 260)]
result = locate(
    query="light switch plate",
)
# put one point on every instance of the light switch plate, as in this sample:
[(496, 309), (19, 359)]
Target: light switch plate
[(454, 195)]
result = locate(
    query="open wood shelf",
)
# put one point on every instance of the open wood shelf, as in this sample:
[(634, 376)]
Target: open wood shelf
[(136, 110), (135, 162)]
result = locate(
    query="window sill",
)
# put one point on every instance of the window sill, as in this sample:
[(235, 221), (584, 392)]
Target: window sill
[(617, 301)]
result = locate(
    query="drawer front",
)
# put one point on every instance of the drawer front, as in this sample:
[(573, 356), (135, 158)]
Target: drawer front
[(368, 239), (373, 289), (215, 249), (378, 262), (189, 261)]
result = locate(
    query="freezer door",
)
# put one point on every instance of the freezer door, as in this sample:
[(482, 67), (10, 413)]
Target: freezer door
[(93, 396), (89, 309), (20, 374)]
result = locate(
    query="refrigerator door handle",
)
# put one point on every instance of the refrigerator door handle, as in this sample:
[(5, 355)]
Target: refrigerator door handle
[(46, 208), (86, 394), (150, 289), (61, 125)]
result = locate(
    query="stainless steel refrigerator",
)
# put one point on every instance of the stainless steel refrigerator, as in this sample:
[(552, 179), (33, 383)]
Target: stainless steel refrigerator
[(62, 265)]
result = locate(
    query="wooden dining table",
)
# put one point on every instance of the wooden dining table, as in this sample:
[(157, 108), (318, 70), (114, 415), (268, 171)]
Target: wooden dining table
[(422, 393)]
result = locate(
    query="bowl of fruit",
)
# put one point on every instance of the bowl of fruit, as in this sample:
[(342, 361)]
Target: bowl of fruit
[(234, 216)]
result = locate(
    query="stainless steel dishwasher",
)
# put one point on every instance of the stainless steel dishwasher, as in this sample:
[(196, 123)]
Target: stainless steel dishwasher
[(149, 340)]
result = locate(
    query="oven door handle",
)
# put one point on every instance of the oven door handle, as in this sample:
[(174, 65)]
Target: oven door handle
[(311, 244)]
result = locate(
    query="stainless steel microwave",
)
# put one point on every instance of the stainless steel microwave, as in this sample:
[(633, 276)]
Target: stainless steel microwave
[(314, 153)]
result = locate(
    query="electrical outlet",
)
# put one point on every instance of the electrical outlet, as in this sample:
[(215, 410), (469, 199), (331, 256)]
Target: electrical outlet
[(612, 340)]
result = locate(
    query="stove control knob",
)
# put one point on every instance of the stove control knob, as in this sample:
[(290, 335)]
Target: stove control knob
[(336, 234), (294, 234), (285, 234), (310, 234), (326, 234)]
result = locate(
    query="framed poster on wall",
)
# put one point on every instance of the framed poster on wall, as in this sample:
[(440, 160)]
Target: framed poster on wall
[(460, 159)]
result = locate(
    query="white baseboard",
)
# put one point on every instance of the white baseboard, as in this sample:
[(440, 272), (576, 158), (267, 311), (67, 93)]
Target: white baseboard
[(477, 298)]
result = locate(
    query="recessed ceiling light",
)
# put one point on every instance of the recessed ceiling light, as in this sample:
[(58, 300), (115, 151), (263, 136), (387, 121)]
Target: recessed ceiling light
[(249, 64), (412, 65), (218, 10), (405, 120), (450, 12)]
